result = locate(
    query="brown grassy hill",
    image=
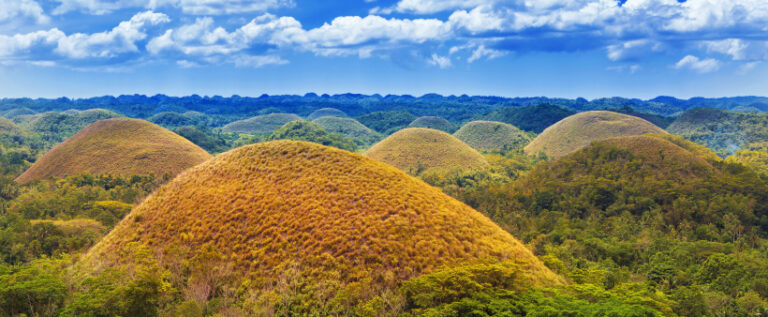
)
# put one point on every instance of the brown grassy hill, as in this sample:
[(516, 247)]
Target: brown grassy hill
[(329, 212), (416, 149), (261, 124), (577, 131), (432, 122), (119, 146), (491, 135)]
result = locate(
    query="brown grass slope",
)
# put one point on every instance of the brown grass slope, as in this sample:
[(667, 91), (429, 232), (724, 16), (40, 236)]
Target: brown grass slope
[(579, 130), (282, 203), (492, 135), (261, 124), (415, 149), (119, 146)]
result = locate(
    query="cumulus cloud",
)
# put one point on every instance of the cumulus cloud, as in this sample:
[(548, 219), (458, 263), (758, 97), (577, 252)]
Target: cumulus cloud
[(699, 65), (440, 61), (14, 9), (196, 7)]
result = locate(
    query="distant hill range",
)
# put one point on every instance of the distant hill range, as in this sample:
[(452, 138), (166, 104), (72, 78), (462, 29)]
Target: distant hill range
[(453, 108)]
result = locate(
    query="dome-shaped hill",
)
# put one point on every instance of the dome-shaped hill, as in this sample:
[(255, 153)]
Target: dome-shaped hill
[(118, 146), (490, 135), (284, 203), (577, 131), (22, 111), (350, 128), (172, 120), (261, 124), (326, 112), (416, 149), (431, 122), (8, 127)]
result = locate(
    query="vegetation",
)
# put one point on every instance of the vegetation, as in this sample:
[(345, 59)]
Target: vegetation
[(172, 120), (204, 138), (302, 130), (261, 124), (387, 122), (349, 228), (530, 118), (432, 122), (723, 131), (121, 147), (350, 128), (57, 127), (489, 135), (414, 150), (326, 112), (579, 130)]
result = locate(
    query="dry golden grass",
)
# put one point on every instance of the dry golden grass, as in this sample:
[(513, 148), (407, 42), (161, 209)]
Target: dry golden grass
[(118, 146), (416, 149), (269, 205), (579, 130), (75, 226), (492, 135)]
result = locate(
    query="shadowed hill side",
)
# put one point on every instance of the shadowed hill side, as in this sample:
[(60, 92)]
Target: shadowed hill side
[(416, 149), (281, 204), (118, 146), (326, 112), (261, 124), (577, 131), (432, 122), (490, 135)]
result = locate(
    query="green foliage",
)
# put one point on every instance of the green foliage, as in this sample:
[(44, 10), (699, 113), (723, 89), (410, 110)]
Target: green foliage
[(37, 289), (204, 138), (725, 132), (387, 122), (529, 118), (348, 127), (172, 120), (56, 127), (312, 132), (432, 122)]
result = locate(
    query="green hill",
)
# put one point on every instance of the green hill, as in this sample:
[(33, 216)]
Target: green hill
[(529, 118), (342, 228), (431, 122), (350, 128), (386, 122), (579, 130), (57, 127), (302, 130), (417, 149), (118, 146), (261, 124), (489, 135), (172, 120), (326, 112), (15, 112), (723, 131)]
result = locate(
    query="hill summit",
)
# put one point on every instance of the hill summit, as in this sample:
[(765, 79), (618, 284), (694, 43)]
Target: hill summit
[(118, 146), (331, 213), (491, 135), (579, 130), (416, 149)]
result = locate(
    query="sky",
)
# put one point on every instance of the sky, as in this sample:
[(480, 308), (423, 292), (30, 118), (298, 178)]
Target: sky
[(554, 48)]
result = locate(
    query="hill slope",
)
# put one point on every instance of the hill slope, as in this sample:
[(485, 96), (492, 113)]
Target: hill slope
[(490, 135), (350, 128), (326, 112), (577, 131), (725, 132), (261, 124), (529, 118), (334, 215), (118, 146), (416, 149), (432, 122)]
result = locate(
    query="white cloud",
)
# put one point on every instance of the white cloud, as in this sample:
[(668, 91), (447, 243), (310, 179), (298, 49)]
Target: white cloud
[(433, 6), (14, 9), (258, 61), (699, 65), (440, 61), (196, 7), (487, 53)]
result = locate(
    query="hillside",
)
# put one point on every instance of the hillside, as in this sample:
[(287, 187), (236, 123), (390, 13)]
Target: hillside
[(172, 120), (725, 132), (577, 131), (350, 128), (432, 122), (261, 124), (386, 122), (416, 149), (533, 118), (57, 127), (118, 146), (10, 114), (333, 218), (7, 127), (489, 135), (302, 130), (326, 112)]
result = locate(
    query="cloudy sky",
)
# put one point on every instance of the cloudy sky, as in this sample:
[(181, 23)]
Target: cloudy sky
[(558, 48)]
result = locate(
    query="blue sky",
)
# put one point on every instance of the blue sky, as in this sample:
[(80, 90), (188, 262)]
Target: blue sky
[(556, 48)]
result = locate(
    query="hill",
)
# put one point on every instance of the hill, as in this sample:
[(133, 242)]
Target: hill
[(172, 120), (302, 130), (261, 124), (489, 135), (723, 131), (432, 122), (577, 131), (57, 127), (386, 122), (529, 118), (326, 112), (334, 222), (118, 146), (10, 114), (416, 149), (350, 128), (7, 127)]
